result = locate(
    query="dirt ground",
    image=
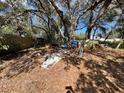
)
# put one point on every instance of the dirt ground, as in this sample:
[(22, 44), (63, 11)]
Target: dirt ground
[(100, 71)]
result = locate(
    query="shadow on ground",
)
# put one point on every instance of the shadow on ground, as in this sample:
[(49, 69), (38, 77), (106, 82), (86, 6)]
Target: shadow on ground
[(107, 77), (22, 62), (72, 58)]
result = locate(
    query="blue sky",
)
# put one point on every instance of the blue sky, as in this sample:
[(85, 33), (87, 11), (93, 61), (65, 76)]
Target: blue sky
[(109, 26)]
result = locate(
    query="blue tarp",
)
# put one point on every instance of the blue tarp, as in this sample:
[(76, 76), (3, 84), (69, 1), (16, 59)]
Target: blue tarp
[(72, 44)]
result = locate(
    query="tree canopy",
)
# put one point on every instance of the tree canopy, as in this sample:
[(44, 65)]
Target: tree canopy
[(61, 17)]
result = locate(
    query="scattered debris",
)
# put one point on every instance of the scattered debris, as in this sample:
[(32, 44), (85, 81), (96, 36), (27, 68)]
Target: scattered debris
[(51, 60), (101, 69)]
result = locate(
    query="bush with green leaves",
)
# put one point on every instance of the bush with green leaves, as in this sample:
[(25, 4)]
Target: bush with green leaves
[(113, 44), (91, 44)]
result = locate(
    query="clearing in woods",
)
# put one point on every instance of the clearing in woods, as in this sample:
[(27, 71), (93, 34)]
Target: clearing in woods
[(98, 71)]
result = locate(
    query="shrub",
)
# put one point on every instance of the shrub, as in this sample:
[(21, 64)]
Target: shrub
[(112, 44)]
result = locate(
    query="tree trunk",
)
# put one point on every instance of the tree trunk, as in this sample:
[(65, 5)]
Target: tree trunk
[(88, 33), (94, 33), (108, 35), (60, 13), (90, 26)]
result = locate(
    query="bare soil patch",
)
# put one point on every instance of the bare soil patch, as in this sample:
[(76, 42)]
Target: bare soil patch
[(98, 71)]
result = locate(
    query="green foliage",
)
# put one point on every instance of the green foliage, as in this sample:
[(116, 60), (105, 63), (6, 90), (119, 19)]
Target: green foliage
[(113, 44), (110, 16), (80, 36), (3, 5), (120, 22), (7, 29), (51, 19), (91, 44)]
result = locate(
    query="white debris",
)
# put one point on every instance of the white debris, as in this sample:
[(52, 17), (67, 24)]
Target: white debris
[(51, 60)]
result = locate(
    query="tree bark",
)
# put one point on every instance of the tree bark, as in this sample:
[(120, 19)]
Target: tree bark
[(60, 13), (107, 36), (88, 32), (94, 33), (90, 26)]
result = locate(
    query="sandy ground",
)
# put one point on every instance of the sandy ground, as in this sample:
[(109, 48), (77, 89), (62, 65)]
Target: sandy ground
[(100, 71)]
